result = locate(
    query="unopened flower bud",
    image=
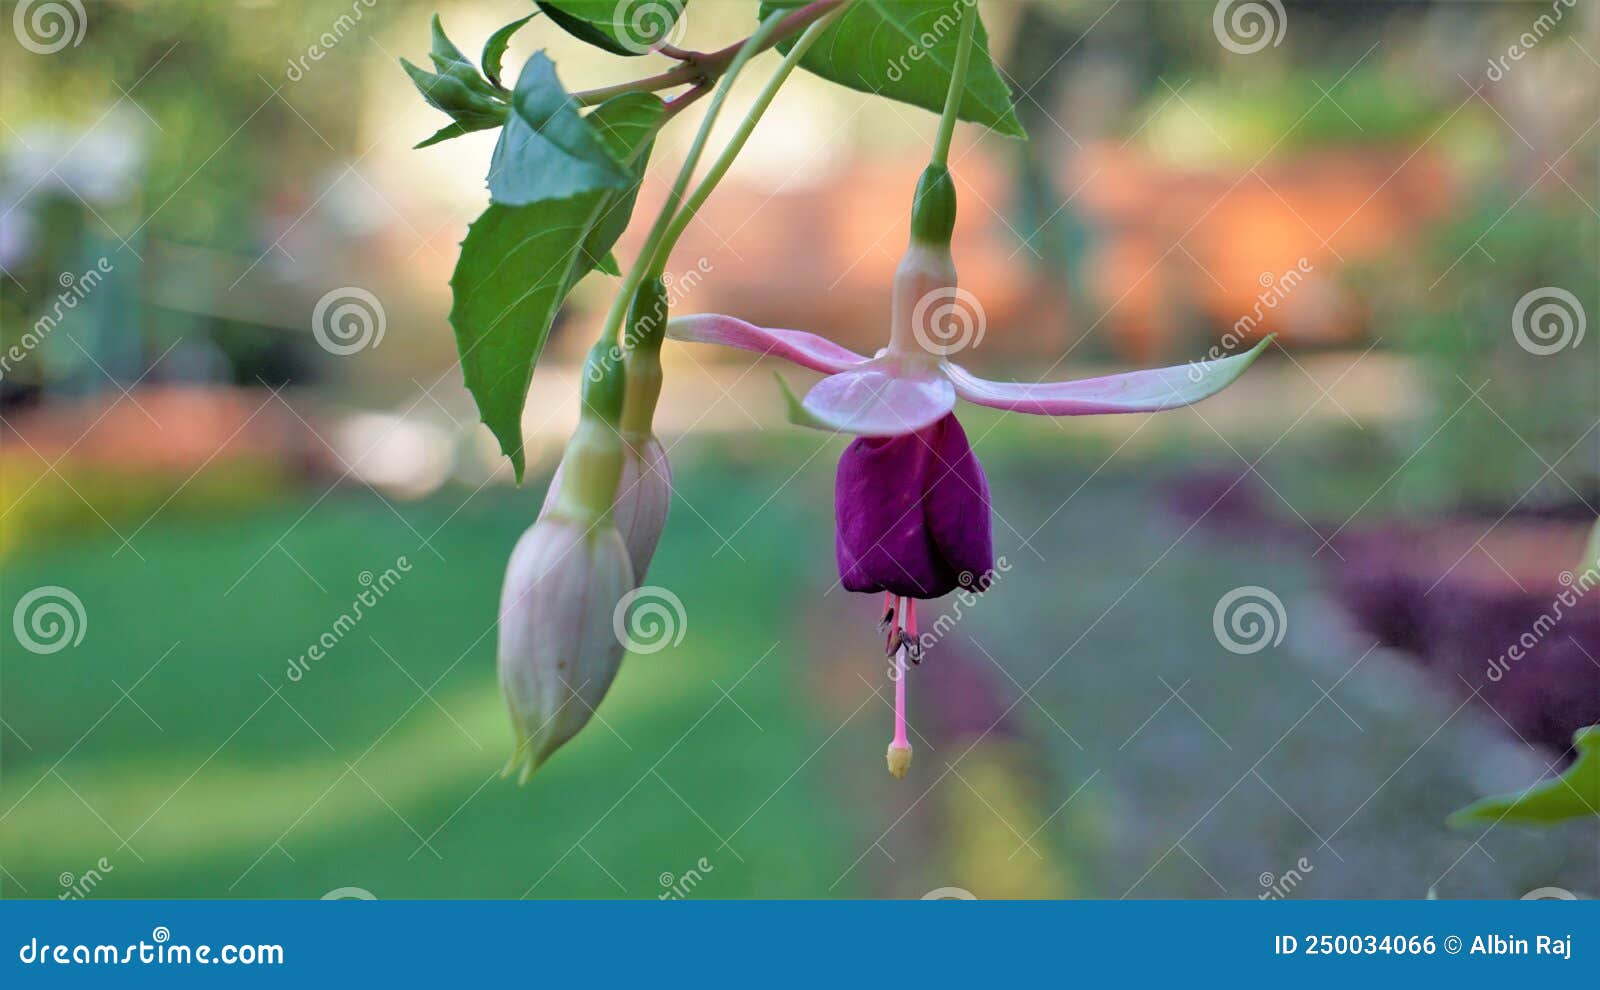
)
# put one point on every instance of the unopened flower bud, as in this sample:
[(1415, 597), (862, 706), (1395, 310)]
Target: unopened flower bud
[(558, 653), (644, 495)]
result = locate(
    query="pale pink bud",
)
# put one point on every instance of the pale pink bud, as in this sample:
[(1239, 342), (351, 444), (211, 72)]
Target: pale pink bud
[(558, 651), (644, 495)]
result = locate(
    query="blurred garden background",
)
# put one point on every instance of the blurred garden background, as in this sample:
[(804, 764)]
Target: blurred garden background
[(1406, 193)]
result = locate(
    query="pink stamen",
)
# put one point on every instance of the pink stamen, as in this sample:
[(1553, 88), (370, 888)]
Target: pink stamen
[(908, 623)]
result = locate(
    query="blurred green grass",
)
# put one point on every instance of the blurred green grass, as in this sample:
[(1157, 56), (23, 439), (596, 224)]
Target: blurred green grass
[(218, 776)]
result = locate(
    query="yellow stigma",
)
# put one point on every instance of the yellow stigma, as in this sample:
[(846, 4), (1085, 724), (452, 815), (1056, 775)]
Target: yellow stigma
[(899, 759)]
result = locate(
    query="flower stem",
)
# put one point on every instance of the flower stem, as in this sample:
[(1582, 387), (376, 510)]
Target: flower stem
[(958, 85), (719, 168), (637, 274), (704, 66)]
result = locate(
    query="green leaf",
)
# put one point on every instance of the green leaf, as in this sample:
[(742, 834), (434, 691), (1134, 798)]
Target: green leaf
[(905, 50), (547, 151), (444, 54), (621, 27), (456, 88), (494, 50), (447, 132), (1591, 552), (608, 265), (1574, 794), (519, 262), (626, 124)]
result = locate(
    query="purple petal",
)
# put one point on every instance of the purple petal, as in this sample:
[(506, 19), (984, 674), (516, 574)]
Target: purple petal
[(912, 513), (1135, 391), (878, 402), (805, 349)]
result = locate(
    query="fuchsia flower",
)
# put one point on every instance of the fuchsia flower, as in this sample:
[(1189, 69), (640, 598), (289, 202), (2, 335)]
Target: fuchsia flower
[(911, 502)]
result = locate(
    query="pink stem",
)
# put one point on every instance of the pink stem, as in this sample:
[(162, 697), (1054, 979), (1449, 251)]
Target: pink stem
[(908, 623)]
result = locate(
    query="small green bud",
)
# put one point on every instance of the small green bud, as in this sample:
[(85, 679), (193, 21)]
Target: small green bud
[(933, 211), (604, 383), (647, 317)]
